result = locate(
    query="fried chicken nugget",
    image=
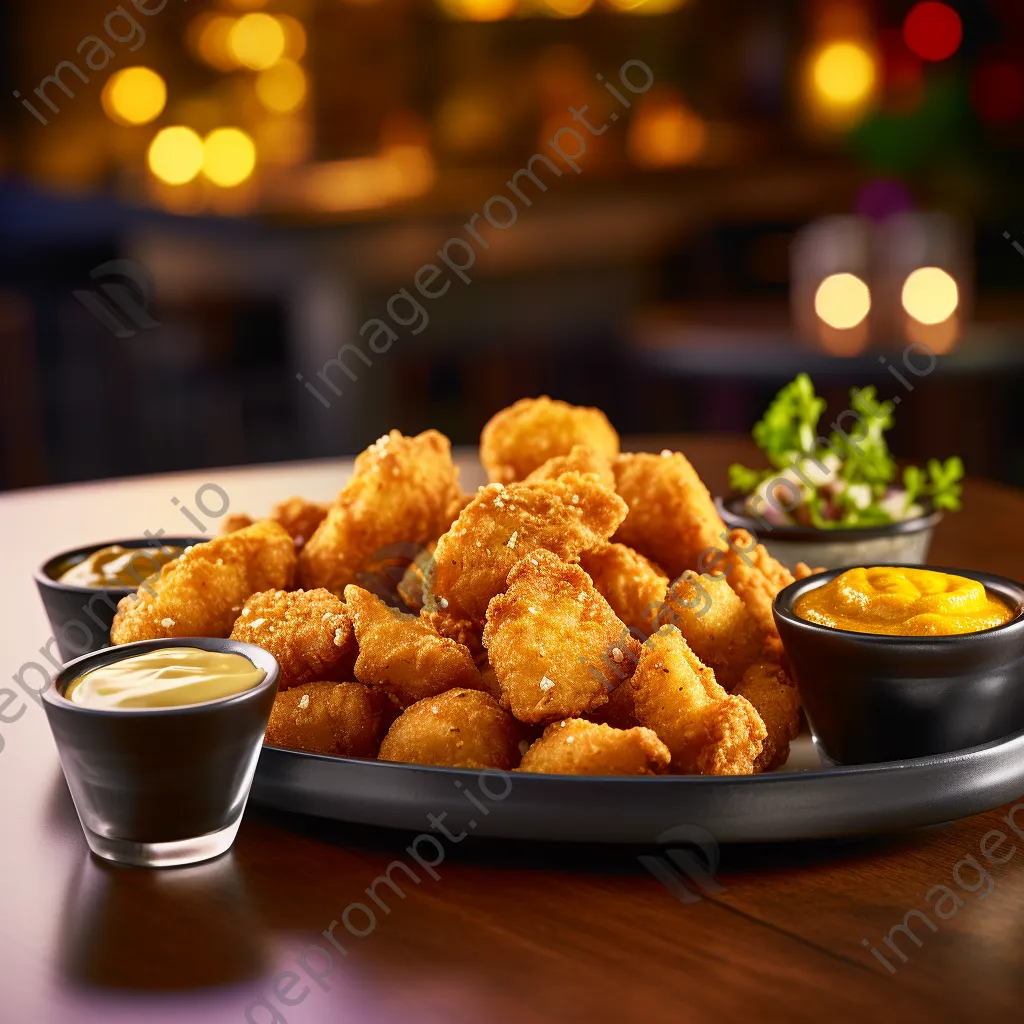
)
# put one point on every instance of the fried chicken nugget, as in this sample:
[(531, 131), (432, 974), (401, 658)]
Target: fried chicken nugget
[(802, 570), (402, 655), (554, 642), (756, 577), (581, 459), (462, 631), (503, 524), (307, 631), (458, 728), (202, 591), (708, 731), (297, 515), (715, 623), (521, 437), (672, 519), (777, 701), (633, 585), (336, 719), (578, 747), (401, 491)]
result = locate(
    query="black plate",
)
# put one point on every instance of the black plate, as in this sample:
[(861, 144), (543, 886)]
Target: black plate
[(786, 805)]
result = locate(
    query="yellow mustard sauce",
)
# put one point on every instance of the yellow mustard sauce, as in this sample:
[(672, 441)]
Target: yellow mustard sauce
[(166, 678), (116, 566), (903, 602)]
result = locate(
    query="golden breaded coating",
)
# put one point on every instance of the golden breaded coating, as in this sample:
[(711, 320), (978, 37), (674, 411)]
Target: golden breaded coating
[(462, 631), (300, 517), (581, 459), (755, 576), (402, 655), (459, 729), (708, 731), (523, 436), (202, 591), (410, 586), (336, 719), (401, 491), (554, 642), (577, 747), (503, 524), (297, 515), (235, 522), (672, 519), (307, 631), (633, 585), (803, 570), (777, 702), (715, 623)]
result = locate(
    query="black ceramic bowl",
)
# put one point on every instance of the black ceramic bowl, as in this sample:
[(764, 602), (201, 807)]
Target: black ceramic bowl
[(161, 786), (905, 542), (872, 698), (81, 617)]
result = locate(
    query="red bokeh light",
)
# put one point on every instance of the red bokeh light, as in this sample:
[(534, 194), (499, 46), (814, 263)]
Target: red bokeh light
[(997, 92), (933, 30)]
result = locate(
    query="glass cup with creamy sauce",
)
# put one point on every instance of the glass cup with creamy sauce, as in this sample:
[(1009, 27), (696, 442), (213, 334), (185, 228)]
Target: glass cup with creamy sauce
[(159, 742)]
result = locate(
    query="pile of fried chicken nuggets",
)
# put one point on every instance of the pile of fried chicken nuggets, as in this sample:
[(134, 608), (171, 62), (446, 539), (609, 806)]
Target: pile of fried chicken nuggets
[(585, 613)]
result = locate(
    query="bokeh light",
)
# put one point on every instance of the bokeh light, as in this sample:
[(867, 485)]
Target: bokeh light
[(844, 74), (478, 10), (281, 88), (568, 8), (229, 156), (842, 301), (257, 41), (294, 36), (997, 92), (134, 96), (207, 37), (175, 155), (664, 133), (645, 6), (933, 30), (930, 295)]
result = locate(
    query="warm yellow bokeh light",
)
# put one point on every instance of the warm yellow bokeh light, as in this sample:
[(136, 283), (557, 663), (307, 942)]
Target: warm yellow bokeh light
[(930, 295), (294, 36), (281, 88), (247, 5), (257, 41), (842, 301), (208, 37), (478, 10), (229, 156), (665, 134), (645, 6), (568, 8), (175, 155), (844, 74), (134, 96)]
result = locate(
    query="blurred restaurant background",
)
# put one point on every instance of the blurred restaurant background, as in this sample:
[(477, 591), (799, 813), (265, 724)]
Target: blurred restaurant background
[(203, 203)]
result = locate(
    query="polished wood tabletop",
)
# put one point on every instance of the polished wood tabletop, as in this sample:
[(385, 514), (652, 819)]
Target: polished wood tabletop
[(506, 931)]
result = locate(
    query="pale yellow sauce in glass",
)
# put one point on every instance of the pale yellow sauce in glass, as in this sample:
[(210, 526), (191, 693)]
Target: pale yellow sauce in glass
[(903, 602), (166, 678)]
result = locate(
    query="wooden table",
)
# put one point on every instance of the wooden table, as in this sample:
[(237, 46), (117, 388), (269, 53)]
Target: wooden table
[(508, 932)]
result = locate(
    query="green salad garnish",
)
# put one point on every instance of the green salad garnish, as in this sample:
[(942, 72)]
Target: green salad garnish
[(847, 479)]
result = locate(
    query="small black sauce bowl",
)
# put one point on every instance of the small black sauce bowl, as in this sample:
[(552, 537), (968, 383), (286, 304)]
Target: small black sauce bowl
[(81, 617), (160, 787), (871, 697)]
